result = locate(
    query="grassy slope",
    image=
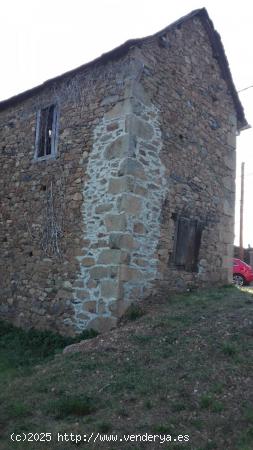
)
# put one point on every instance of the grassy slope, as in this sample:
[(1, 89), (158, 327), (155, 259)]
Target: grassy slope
[(185, 367)]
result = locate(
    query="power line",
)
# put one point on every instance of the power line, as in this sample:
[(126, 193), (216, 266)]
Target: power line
[(245, 89), (246, 175)]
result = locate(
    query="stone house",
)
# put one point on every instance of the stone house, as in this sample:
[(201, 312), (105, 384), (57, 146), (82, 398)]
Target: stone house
[(118, 180)]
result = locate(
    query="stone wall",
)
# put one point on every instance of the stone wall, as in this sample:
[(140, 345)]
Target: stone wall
[(40, 268), (143, 139), (198, 126), (124, 191)]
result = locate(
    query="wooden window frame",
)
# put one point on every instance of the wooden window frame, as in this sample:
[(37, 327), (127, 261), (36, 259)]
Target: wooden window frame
[(42, 155), (187, 243)]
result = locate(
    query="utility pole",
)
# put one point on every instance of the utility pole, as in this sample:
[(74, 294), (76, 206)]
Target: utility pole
[(241, 212)]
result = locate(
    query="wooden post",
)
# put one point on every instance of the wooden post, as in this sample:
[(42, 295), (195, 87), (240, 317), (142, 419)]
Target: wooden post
[(241, 212), (251, 257)]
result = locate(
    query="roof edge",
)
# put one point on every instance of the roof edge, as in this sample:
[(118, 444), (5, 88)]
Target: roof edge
[(218, 53)]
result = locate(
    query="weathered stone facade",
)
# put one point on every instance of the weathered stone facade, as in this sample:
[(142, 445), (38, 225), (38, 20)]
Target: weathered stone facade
[(145, 136)]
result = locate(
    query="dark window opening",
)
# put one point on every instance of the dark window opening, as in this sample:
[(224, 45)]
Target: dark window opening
[(187, 243), (46, 132)]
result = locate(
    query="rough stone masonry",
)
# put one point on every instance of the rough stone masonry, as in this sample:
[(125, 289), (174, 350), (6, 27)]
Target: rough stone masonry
[(118, 180)]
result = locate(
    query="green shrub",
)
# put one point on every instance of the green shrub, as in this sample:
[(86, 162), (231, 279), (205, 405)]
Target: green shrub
[(229, 349), (104, 427), (206, 401), (23, 348), (15, 410), (86, 334), (133, 312), (72, 405), (209, 402)]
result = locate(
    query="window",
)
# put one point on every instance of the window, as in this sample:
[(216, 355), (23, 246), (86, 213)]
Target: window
[(46, 132), (187, 243)]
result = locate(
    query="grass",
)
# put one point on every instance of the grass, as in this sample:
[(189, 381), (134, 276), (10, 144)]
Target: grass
[(71, 405), (20, 349), (183, 366)]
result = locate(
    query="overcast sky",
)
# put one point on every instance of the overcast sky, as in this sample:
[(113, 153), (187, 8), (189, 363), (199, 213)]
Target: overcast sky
[(41, 39)]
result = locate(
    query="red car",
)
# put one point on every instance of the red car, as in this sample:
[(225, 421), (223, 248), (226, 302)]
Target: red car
[(242, 273)]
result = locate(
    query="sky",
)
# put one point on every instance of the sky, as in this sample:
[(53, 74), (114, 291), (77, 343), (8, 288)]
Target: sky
[(41, 39)]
